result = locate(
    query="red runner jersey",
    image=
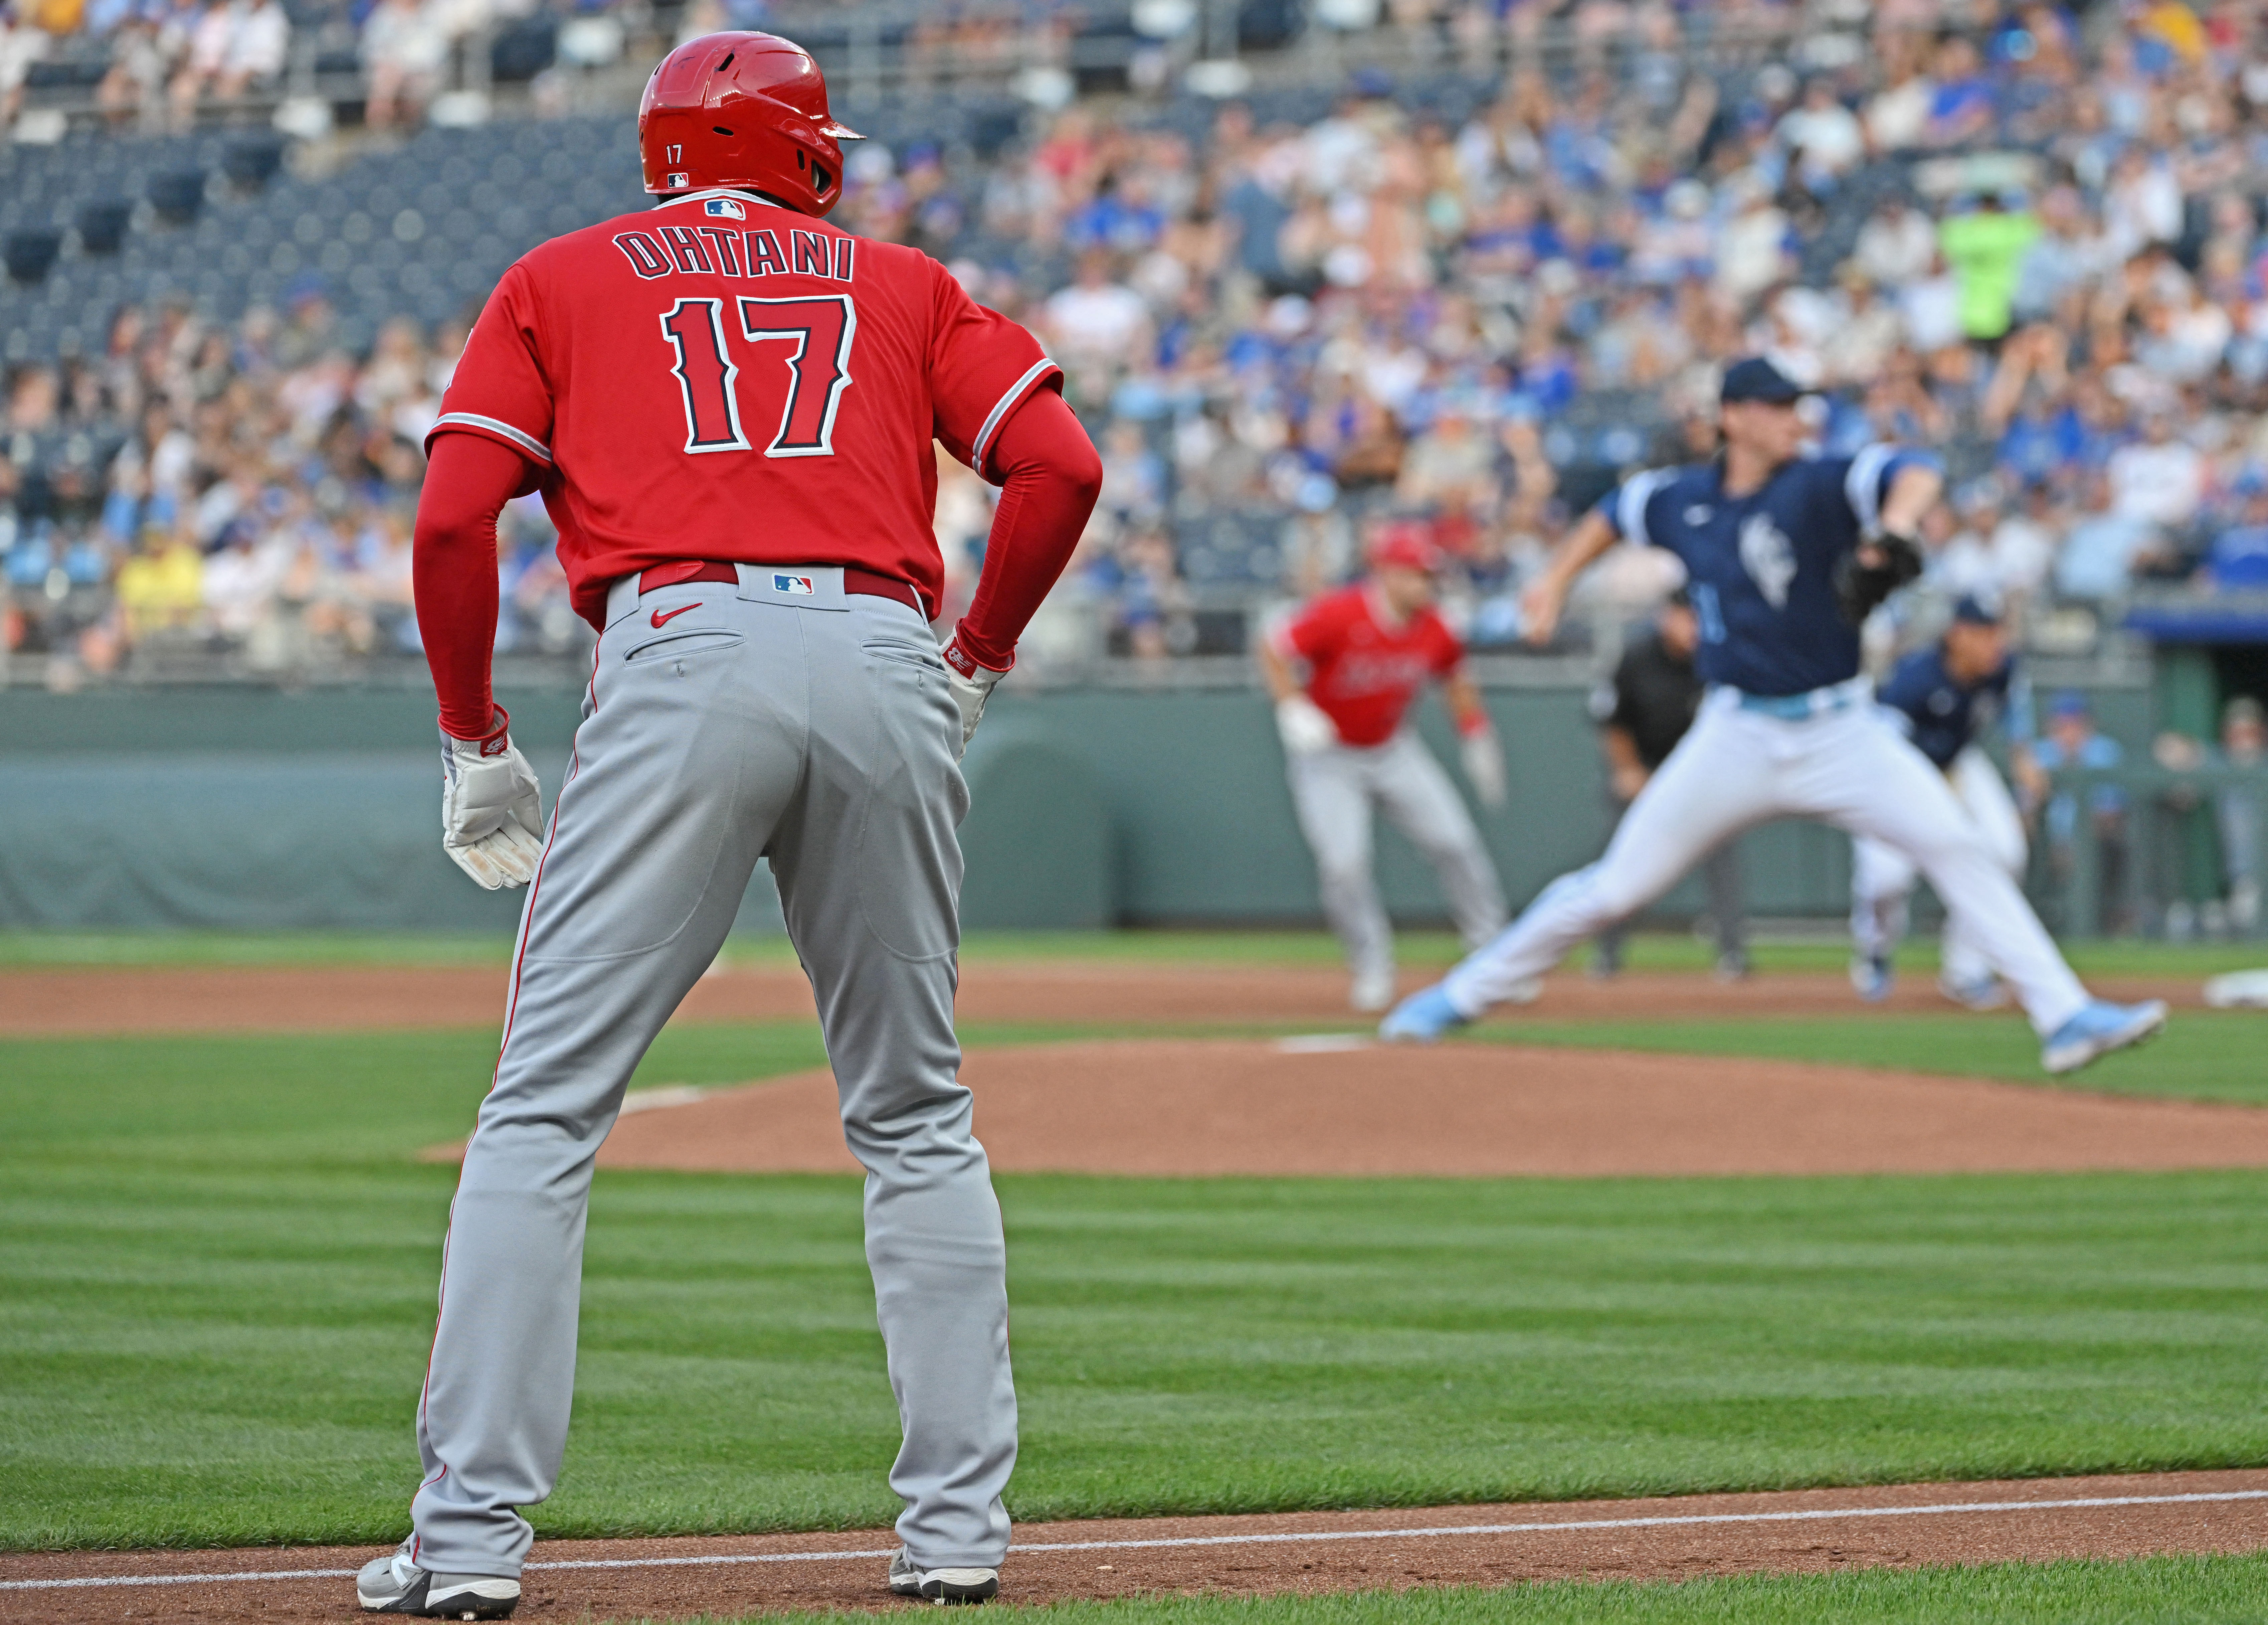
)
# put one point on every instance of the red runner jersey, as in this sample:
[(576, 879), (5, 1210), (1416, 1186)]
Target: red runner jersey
[(1363, 670), (721, 378)]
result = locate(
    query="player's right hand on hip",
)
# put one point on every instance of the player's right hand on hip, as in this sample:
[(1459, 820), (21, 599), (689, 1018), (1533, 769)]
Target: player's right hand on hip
[(491, 808), (972, 685), (1303, 726)]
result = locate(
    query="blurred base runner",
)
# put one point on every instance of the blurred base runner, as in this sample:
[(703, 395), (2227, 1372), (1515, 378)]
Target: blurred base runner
[(1368, 649)]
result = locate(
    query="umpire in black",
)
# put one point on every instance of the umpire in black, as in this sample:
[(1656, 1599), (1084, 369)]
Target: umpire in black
[(1642, 713)]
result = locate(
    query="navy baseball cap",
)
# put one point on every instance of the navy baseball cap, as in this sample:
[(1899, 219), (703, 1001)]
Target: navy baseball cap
[(1977, 610), (1756, 378)]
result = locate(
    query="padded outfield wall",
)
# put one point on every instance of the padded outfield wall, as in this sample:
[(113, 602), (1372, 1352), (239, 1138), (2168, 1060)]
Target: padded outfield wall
[(252, 809)]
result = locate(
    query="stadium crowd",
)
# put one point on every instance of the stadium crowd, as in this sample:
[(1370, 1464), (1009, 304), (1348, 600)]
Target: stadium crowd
[(169, 61), (2043, 258)]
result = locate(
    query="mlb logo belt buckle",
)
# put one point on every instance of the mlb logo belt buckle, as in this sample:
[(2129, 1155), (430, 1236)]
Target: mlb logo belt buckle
[(804, 586)]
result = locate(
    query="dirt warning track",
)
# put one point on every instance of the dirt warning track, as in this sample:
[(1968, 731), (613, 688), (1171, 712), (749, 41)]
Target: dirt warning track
[(317, 997), (1669, 1538)]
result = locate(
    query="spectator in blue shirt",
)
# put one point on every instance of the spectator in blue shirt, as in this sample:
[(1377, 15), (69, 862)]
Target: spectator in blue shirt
[(2060, 261), (2042, 440), (1961, 108), (2238, 561), (2100, 554), (1120, 218)]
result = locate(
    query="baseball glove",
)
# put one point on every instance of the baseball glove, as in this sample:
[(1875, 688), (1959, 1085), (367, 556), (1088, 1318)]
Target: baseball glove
[(1872, 572)]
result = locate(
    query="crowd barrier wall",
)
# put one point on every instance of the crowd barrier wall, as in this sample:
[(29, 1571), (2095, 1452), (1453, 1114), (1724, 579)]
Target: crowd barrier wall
[(246, 809)]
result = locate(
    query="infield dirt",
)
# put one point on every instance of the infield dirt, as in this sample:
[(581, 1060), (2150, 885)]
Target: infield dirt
[(1386, 1553), (1180, 1107)]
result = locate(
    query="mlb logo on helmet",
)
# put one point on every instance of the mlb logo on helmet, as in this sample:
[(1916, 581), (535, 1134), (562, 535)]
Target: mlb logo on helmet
[(794, 585), (676, 183), (724, 208)]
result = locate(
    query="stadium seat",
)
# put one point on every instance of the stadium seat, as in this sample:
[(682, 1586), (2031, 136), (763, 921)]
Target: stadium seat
[(251, 164), (102, 225), (31, 254), (524, 49), (177, 196)]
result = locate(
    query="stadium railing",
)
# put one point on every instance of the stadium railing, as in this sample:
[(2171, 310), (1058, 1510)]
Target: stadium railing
[(2146, 851)]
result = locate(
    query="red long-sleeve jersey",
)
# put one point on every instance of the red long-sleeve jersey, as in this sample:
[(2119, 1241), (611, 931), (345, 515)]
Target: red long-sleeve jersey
[(722, 379)]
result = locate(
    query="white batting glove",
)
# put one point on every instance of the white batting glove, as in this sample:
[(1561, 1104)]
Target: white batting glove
[(1483, 755), (491, 808), (1303, 726), (972, 685)]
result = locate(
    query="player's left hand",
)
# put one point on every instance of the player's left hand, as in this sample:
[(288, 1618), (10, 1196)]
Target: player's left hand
[(491, 808), (972, 685), (1484, 756)]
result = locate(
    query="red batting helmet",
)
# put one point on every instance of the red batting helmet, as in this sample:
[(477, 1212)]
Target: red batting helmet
[(742, 110), (1404, 543)]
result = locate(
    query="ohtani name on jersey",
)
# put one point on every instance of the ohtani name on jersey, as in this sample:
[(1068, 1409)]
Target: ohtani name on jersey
[(729, 251)]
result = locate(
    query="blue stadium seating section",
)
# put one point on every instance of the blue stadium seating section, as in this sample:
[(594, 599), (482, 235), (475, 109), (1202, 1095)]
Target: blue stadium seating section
[(421, 228)]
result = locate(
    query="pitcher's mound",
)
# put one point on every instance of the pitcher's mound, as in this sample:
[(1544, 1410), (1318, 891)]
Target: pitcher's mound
[(1224, 1106)]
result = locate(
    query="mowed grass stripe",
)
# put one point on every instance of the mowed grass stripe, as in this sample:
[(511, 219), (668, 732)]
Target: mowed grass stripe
[(2202, 1055), (218, 1264), (2156, 1591)]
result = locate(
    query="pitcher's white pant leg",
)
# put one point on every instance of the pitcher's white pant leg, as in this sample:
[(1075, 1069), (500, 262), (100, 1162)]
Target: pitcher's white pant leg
[(1881, 880), (1978, 787), (1862, 775), (1719, 781), (1415, 792), (1984, 795), (1330, 790)]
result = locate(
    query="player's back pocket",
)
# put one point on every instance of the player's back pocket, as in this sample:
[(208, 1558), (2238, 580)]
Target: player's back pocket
[(906, 654), (684, 645)]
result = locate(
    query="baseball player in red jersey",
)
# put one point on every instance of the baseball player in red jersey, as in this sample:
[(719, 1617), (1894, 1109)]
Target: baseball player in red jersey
[(1368, 649), (729, 407)]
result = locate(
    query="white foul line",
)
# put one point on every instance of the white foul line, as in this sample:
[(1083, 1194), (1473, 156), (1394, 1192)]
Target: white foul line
[(1808, 1515)]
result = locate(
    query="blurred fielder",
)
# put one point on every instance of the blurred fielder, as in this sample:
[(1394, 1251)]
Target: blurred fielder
[(1642, 713), (1368, 650), (1943, 699), (1785, 555), (731, 408)]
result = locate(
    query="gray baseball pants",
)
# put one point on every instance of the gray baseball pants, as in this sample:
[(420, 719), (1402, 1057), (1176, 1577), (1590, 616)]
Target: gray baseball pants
[(780, 719), (1333, 790)]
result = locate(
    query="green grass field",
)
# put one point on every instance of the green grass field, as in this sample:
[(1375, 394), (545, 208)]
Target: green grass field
[(2159, 1590), (217, 1258), (219, 1262), (2203, 1055)]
